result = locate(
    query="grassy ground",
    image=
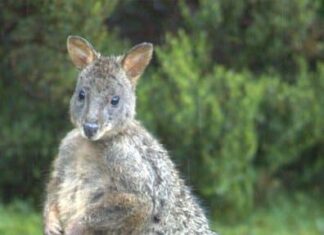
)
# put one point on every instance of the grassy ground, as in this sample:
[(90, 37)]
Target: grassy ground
[(19, 219), (297, 215)]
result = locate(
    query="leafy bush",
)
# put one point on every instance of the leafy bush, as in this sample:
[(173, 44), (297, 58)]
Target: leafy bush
[(234, 92), (208, 120), (258, 35), (37, 80), (232, 133)]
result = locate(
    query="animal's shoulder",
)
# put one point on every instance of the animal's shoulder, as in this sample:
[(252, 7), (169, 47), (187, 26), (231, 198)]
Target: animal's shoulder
[(149, 150), (141, 139), (137, 144), (71, 140)]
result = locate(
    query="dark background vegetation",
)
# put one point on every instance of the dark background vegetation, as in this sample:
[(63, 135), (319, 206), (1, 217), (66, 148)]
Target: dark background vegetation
[(234, 92)]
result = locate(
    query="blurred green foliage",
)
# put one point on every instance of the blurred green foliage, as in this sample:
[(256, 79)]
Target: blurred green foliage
[(37, 79), (234, 91), (259, 35)]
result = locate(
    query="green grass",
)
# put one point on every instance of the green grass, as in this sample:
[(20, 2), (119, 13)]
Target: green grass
[(19, 219), (299, 214)]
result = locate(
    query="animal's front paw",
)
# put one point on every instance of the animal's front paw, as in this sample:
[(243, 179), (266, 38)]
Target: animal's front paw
[(52, 223), (53, 226), (75, 227)]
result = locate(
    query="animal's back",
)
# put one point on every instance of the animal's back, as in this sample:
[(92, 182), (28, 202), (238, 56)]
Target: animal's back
[(176, 210)]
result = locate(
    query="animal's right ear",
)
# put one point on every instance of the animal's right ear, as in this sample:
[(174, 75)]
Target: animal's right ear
[(81, 51)]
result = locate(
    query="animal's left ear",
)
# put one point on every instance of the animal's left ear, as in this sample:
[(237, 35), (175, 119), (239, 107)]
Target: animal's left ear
[(136, 60)]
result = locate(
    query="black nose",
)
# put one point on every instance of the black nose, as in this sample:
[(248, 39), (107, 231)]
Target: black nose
[(90, 129)]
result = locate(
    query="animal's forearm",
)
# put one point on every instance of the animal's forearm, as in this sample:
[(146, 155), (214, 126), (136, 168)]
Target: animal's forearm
[(51, 193), (119, 210), (52, 223)]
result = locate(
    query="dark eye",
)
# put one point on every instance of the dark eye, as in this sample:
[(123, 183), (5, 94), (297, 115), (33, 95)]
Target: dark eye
[(81, 95), (115, 100)]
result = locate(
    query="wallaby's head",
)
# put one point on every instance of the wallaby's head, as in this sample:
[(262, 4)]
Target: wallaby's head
[(104, 97)]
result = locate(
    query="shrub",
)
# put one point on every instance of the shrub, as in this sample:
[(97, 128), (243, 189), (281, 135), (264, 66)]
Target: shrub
[(37, 81), (235, 92), (232, 133), (208, 120), (258, 35)]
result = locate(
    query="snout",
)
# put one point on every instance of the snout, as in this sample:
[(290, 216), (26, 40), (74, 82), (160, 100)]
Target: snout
[(90, 129)]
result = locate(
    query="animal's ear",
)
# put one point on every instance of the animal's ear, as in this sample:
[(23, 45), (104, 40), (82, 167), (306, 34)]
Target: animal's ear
[(81, 51), (136, 60)]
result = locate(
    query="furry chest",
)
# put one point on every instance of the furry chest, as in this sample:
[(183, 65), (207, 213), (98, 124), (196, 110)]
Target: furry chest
[(127, 169), (84, 175), (88, 172)]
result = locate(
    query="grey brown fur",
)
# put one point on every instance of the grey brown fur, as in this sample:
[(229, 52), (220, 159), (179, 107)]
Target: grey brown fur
[(117, 179)]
